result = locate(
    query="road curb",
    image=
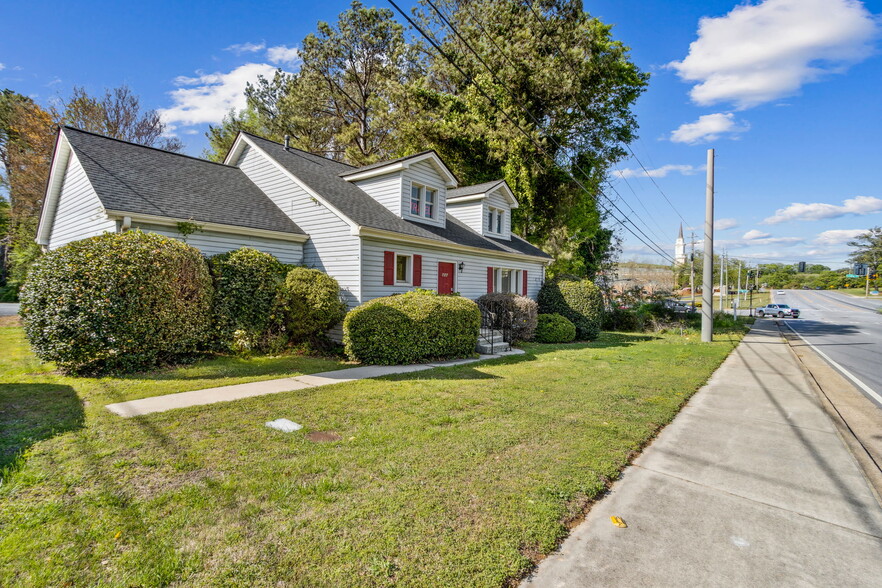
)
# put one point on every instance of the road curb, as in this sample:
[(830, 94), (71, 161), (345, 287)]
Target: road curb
[(827, 382)]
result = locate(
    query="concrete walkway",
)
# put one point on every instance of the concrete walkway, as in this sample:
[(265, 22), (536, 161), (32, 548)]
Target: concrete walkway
[(239, 391), (749, 486)]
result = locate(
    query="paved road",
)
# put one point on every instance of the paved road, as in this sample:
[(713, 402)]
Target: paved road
[(846, 329), (8, 308)]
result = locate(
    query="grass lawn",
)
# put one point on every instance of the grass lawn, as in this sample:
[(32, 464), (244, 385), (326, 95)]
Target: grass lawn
[(862, 291), (455, 476), (759, 299)]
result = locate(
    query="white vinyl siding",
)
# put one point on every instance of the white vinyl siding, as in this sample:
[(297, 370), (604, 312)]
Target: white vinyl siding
[(385, 189), (79, 213), (468, 213), (331, 247), (214, 242), (471, 282), (497, 201), (423, 174)]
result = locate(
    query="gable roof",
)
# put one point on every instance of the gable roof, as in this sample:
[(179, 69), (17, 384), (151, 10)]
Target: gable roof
[(472, 190), (393, 165), (322, 176), (481, 191), (144, 180)]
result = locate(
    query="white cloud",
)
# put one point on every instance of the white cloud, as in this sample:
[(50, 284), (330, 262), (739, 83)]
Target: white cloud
[(859, 205), (240, 48), (661, 172), (837, 237), (2, 66), (206, 98), (709, 127), (725, 223), (760, 52), (753, 234), (283, 55)]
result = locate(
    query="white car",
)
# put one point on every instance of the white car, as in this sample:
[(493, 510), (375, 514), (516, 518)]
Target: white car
[(780, 293)]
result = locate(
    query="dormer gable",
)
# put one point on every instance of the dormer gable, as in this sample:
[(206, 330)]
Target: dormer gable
[(485, 208), (413, 188)]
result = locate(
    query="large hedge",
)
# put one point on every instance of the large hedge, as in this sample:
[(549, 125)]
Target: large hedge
[(118, 302), (554, 328), (247, 286), (576, 299), (519, 311), (313, 305), (411, 327)]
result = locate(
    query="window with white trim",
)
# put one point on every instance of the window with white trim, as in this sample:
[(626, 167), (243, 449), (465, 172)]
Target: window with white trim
[(507, 281), (403, 269), (423, 201), (495, 220)]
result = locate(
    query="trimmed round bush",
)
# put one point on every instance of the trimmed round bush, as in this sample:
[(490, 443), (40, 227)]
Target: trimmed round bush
[(520, 310), (313, 305), (578, 300), (411, 327), (247, 313), (554, 328), (118, 303)]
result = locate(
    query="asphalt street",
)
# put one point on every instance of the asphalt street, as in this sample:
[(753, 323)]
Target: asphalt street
[(846, 329)]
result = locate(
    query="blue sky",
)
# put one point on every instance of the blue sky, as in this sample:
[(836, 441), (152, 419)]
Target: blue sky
[(786, 91)]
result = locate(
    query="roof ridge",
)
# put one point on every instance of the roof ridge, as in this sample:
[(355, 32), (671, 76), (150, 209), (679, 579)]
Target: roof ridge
[(123, 141), (383, 162), (296, 149)]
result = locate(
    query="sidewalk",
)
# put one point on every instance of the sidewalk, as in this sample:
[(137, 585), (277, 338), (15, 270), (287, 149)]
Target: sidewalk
[(749, 486), (153, 404)]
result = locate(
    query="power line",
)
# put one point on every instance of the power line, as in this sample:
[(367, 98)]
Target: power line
[(584, 111), (652, 245)]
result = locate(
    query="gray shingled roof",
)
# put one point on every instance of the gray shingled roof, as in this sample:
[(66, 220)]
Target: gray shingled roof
[(363, 168), (143, 180), (322, 176), (472, 190)]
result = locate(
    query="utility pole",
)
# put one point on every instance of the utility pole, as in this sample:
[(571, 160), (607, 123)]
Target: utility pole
[(739, 288), (722, 273), (707, 279), (692, 269)]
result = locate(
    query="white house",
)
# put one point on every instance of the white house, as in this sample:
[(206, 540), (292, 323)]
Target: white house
[(378, 229)]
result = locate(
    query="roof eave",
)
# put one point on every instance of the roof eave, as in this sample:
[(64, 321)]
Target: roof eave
[(219, 227)]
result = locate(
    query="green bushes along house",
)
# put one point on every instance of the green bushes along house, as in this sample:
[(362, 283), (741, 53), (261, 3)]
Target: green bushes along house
[(248, 313), (578, 300), (312, 301), (118, 302), (521, 311), (554, 328), (411, 327)]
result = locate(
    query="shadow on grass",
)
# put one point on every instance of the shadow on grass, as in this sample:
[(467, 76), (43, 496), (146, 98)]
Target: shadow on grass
[(231, 366), (30, 413)]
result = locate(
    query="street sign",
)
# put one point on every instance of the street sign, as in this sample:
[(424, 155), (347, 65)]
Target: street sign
[(852, 276)]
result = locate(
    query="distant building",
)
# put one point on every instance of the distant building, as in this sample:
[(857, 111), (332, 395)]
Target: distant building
[(680, 248)]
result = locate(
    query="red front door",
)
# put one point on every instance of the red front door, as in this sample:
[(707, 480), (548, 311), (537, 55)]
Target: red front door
[(445, 278)]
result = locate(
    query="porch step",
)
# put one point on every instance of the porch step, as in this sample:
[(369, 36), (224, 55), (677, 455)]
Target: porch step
[(485, 349)]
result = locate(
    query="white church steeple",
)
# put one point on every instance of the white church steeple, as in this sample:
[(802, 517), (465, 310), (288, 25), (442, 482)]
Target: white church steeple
[(680, 248)]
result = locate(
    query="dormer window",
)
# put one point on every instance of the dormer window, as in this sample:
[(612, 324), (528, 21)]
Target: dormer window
[(495, 220), (423, 201)]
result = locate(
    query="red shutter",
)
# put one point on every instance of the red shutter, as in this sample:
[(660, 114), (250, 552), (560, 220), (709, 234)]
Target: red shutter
[(388, 268), (524, 291), (489, 280), (417, 270)]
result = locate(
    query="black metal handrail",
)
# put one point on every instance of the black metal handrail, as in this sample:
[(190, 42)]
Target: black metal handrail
[(496, 317)]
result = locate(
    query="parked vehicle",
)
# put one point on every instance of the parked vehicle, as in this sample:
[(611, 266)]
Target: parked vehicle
[(778, 310), (676, 305), (780, 293)]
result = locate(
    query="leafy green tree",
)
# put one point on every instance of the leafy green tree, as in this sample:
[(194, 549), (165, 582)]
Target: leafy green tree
[(561, 95), (868, 248), (348, 101)]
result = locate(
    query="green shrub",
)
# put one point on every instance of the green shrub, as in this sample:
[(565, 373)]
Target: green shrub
[(576, 299), (411, 327), (520, 310), (118, 302), (247, 312), (313, 305), (554, 328), (620, 319)]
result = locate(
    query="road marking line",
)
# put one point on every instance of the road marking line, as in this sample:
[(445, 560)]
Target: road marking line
[(848, 374)]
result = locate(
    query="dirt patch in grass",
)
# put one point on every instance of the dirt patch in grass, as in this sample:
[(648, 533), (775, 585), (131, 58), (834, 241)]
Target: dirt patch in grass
[(10, 321)]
